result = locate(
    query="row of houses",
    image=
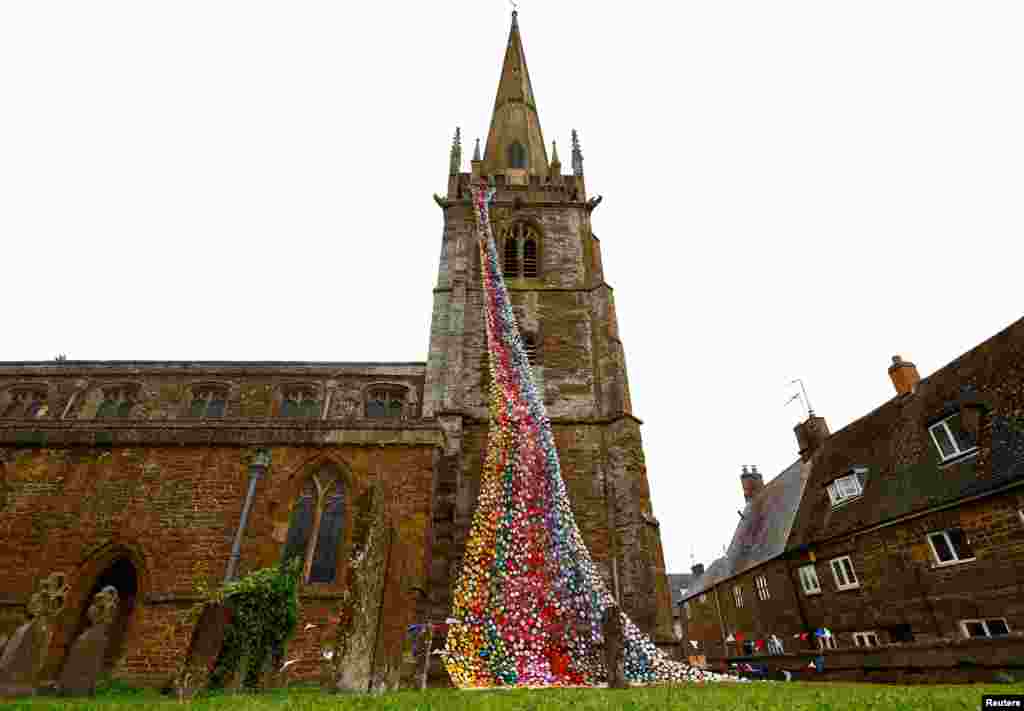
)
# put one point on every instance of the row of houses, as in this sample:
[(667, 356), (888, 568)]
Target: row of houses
[(906, 526)]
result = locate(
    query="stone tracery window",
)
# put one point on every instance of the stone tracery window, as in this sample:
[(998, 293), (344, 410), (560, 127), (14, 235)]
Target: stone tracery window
[(300, 401), (27, 402), (314, 533), (118, 401), (384, 401), (521, 253), (208, 401)]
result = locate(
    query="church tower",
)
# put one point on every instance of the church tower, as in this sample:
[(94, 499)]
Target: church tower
[(565, 309)]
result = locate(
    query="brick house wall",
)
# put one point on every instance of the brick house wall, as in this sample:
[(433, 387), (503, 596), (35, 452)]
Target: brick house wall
[(908, 491)]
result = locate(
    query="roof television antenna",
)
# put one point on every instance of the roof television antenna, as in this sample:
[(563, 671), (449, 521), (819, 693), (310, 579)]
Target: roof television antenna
[(806, 400)]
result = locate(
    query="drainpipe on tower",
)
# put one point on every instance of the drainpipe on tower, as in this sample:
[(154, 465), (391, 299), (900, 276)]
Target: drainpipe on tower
[(257, 467)]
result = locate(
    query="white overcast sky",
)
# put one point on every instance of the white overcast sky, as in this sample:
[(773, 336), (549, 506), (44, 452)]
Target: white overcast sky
[(793, 189)]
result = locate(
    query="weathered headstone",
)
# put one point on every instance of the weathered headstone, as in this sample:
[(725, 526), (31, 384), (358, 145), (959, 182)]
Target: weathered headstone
[(85, 661), (23, 657), (207, 641), (614, 648)]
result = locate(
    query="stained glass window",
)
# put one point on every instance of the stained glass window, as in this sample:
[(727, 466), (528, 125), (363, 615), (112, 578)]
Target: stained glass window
[(314, 533)]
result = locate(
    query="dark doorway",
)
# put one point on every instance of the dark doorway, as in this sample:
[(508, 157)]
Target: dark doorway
[(121, 575)]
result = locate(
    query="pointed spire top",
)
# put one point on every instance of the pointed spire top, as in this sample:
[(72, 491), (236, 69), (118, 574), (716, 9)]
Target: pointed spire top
[(577, 154), (554, 152), (455, 160), (476, 150), (515, 139)]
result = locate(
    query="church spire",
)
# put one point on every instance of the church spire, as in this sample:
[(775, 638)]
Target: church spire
[(515, 139)]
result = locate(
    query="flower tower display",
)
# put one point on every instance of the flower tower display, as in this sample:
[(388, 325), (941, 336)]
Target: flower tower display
[(528, 606)]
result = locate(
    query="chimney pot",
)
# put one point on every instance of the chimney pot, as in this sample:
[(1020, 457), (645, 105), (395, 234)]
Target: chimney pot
[(751, 482), (697, 570), (810, 435), (904, 375)]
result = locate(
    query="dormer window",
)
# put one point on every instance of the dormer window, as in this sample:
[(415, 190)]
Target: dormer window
[(951, 439), (517, 155), (521, 253), (385, 402), (28, 403), (208, 401), (300, 401), (118, 402), (845, 488)]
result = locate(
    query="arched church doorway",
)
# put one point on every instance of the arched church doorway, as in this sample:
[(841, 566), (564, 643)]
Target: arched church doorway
[(122, 575)]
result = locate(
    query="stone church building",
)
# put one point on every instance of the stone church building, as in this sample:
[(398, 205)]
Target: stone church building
[(152, 475)]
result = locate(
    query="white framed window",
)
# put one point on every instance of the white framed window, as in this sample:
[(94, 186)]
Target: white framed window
[(950, 546), (703, 598), (992, 627), (842, 571), (844, 488), (951, 439), (686, 607), (809, 579), (737, 595), (775, 645), (828, 642), (865, 639), (762, 587)]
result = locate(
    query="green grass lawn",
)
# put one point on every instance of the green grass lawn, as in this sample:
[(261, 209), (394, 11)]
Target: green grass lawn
[(757, 696)]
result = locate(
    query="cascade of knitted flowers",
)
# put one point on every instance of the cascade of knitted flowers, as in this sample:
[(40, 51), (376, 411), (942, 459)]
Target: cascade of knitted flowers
[(527, 609)]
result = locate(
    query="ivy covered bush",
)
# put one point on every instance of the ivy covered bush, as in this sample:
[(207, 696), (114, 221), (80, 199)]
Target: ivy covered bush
[(264, 611)]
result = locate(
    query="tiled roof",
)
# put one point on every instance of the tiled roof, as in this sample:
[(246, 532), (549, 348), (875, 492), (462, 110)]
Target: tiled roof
[(762, 532), (715, 573), (904, 471)]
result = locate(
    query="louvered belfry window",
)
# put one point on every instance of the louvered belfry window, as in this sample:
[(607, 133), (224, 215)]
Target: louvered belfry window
[(530, 346), (521, 253), (316, 526)]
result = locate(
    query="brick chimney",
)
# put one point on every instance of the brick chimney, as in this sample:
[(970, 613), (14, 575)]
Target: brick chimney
[(697, 570), (904, 375), (810, 435), (751, 481)]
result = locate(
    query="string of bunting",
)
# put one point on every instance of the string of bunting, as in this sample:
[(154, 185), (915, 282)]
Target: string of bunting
[(529, 603)]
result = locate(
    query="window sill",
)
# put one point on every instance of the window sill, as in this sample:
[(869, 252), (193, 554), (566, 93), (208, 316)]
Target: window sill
[(848, 587), (959, 457), (951, 563), (844, 502), (812, 593)]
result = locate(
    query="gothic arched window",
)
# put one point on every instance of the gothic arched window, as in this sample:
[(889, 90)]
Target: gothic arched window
[(26, 402), (385, 402), (511, 256), (315, 529), (516, 155), (300, 401), (208, 401), (530, 346), (118, 401), (530, 256), (521, 251)]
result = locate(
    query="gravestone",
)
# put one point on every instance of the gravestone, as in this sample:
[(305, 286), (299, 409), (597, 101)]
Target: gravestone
[(85, 661), (23, 657), (614, 648), (207, 641)]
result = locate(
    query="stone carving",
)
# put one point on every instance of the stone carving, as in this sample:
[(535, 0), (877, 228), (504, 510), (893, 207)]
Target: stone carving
[(22, 659), (85, 661), (614, 653)]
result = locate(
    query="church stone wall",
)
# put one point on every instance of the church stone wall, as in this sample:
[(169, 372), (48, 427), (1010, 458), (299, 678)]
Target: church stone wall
[(173, 511)]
